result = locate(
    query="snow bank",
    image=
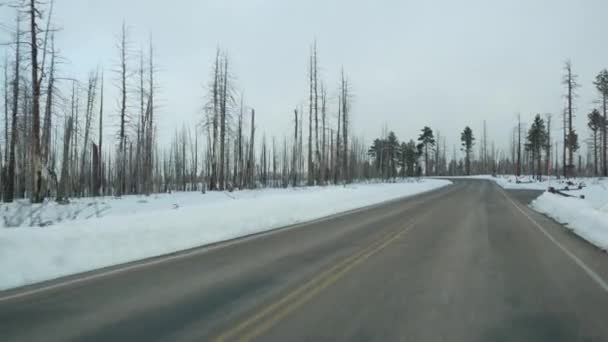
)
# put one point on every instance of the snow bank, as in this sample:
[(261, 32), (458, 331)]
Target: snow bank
[(91, 234), (513, 182), (586, 217)]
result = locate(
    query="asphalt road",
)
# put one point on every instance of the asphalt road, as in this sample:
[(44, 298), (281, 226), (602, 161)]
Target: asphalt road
[(469, 262)]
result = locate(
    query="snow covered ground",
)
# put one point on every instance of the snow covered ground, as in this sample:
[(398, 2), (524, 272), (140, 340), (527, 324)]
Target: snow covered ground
[(586, 217), (48, 241), (514, 183)]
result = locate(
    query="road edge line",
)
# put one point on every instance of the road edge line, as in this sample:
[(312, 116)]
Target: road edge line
[(590, 272)]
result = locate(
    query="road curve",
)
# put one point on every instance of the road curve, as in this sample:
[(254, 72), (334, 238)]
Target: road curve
[(469, 262)]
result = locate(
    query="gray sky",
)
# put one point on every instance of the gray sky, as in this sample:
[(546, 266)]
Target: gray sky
[(445, 64)]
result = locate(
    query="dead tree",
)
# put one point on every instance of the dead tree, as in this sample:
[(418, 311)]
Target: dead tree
[(345, 97), (294, 165), (224, 99), (215, 109), (337, 164), (570, 81), (323, 134), (91, 89), (46, 131), (37, 191), (63, 180), (316, 107), (240, 146), (149, 126), (311, 170), (99, 188), (122, 134), (251, 159), (9, 190), (6, 131)]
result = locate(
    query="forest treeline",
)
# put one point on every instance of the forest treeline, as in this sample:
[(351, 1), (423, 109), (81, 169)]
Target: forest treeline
[(53, 127)]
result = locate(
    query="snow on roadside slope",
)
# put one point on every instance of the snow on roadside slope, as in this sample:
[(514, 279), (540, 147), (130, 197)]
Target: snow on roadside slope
[(513, 182), (131, 230), (587, 217)]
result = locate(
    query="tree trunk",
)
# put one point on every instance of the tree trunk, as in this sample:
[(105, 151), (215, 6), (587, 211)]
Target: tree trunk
[(99, 180), (9, 190), (251, 166), (224, 98), (294, 167), (605, 141), (37, 174), (63, 182), (121, 188), (311, 170), (345, 110)]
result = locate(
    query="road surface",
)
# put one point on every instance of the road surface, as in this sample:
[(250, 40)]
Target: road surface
[(469, 262)]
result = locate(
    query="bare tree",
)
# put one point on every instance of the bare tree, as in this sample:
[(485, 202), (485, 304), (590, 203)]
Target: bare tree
[(46, 131), (251, 161), (316, 109), (9, 190), (6, 120), (294, 166), (122, 134), (223, 109), (324, 133), (570, 81), (63, 182), (99, 189), (215, 109), (91, 89), (311, 168), (345, 97), (37, 192)]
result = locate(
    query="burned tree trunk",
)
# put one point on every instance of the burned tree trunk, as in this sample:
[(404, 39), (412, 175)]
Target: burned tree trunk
[(9, 190), (36, 162), (63, 180)]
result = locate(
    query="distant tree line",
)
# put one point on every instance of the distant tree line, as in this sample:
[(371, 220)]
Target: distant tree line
[(53, 145)]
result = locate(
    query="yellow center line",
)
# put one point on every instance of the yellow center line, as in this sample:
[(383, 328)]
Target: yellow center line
[(331, 279), (308, 290)]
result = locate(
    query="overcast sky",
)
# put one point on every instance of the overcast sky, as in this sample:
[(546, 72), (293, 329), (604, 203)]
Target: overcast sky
[(445, 64)]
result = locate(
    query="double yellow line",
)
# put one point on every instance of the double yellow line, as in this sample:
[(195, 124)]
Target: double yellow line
[(266, 318)]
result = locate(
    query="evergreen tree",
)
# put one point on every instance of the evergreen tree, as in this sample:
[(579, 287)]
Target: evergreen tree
[(467, 146), (392, 149), (537, 136), (409, 158), (426, 144), (595, 123), (601, 83)]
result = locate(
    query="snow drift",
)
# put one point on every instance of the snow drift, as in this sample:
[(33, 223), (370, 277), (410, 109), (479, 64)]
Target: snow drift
[(586, 217)]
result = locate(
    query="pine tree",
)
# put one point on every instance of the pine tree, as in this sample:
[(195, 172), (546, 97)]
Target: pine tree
[(595, 124), (426, 144), (601, 83), (467, 140), (536, 138)]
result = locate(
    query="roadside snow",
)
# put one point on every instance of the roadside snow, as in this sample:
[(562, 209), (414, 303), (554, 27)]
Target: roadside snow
[(586, 217), (90, 234), (513, 182)]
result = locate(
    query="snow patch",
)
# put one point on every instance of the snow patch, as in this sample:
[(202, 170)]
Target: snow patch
[(586, 217)]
